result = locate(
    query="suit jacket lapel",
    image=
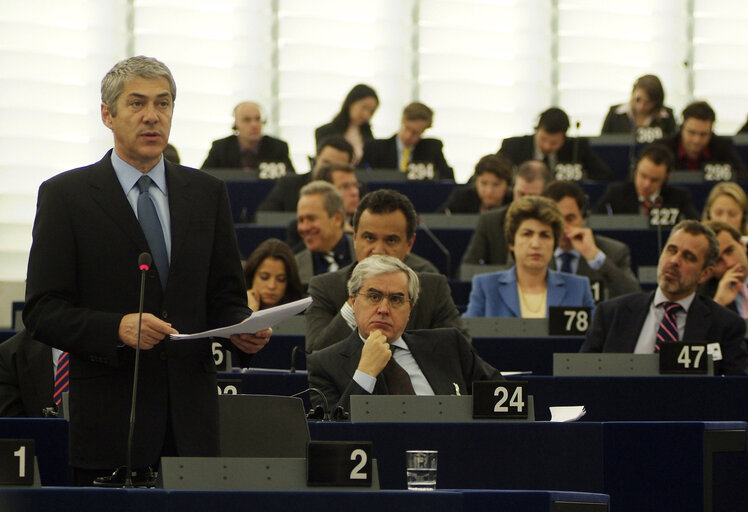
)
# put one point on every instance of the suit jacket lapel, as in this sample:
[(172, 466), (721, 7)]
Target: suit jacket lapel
[(698, 321), (508, 291), (181, 209), (107, 192), (556, 288), (630, 326), (423, 351)]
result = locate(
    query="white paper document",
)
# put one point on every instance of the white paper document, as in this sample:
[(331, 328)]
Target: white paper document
[(563, 413), (258, 321)]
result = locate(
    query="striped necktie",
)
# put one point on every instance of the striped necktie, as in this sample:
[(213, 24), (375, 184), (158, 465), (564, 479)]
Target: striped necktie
[(62, 380), (667, 332)]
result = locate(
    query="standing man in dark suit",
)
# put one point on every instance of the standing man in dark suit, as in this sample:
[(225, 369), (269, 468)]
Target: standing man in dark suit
[(284, 195), (697, 148), (649, 188), (378, 357), (421, 159), (568, 158), (729, 284), (248, 148), (488, 244), (581, 252), (83, 283), (26, 377), (385, 223), (640, 322)]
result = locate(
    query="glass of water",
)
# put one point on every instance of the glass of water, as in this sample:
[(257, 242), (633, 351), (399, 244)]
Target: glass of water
[(421, 469)]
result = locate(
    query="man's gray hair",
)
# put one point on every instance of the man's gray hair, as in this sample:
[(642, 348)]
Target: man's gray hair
[(696, 228), (331, 198), (125, 70), (379, 264)]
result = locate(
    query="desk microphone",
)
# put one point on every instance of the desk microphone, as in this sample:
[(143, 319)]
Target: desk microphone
[(439, 245), (575, 149), (294, 350), (314, 413)]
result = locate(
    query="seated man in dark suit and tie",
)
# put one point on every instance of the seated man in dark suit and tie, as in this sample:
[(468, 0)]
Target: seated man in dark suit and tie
[(640, 322), (378, 357), (568, 158), (285, 193), (729, 284), (581, 252), (248, 148), (320, 218), (649, 188), (421, 159), (697, 148), (27, 371), (385, 223), (488, 244)]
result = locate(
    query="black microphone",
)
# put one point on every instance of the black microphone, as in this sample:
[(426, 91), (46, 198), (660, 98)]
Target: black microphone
[(144, 264), (118, 479), (658, 204), (325, 407), (294, 350), (439, 245), (575, 149)]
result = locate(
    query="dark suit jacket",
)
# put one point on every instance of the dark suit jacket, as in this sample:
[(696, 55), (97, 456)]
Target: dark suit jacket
[(620, 123), (382, 154), (465, 200), (224, 153), (305, 263), (445, 357), (488, 243), (284, 195), (622, 198), (26, 377), (325, 325), (83, 277), (330, 129), (616, 273), (721, 150), (617, 323), (521, 149)]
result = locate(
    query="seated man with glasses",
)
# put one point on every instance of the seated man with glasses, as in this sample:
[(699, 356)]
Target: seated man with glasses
[(379, 358)]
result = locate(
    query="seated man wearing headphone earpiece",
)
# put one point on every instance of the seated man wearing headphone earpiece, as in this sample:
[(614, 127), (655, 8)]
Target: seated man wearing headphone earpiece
[(606, 262), (248, 148)]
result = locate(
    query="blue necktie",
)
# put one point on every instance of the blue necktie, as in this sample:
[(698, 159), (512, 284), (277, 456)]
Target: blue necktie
[(566, 258), (148, 218)]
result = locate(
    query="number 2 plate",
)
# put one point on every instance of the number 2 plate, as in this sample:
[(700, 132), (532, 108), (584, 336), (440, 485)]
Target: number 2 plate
[(339, 463)]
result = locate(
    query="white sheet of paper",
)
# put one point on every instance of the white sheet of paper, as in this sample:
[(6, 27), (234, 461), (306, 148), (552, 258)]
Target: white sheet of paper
[(563, 413), (258, 321)]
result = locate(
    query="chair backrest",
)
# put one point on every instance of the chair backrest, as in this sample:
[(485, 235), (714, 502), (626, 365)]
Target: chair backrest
[(262, 426)]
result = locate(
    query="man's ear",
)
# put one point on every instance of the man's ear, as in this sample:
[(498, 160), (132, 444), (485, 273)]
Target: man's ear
[(106, 116), (706, 274)]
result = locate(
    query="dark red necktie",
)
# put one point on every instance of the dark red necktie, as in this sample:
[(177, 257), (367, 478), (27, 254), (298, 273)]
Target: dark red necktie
[(667, 332), (397, 379), (62, 381)]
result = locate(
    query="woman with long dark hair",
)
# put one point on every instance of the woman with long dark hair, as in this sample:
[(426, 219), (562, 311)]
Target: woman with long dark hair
[(352, 121)]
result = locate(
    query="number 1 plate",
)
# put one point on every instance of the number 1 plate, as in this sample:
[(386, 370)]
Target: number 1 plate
[(16, 462)]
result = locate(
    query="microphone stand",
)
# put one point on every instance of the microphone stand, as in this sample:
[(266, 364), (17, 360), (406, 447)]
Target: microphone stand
[(439, 245)]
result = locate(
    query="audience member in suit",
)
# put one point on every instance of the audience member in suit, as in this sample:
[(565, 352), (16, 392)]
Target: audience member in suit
[(171, 154), (582, 252), (640, 322), (385, 223), (486, 190), (271, 276), (696, 146), (26, 377), (645, 110), (352, 122), (83, 284), (421, 159), (343, 178), (284, 195), (379, 357), (727, 285), (534, 226), (248, 148), (727, 202), (488, 244), (320, 217), (649, 188), (550, 144)]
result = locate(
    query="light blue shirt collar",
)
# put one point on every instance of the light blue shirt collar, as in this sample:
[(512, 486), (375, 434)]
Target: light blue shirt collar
[(128, 175)]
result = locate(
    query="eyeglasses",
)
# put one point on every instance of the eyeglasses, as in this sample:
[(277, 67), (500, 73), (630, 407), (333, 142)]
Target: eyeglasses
[(395, 300)]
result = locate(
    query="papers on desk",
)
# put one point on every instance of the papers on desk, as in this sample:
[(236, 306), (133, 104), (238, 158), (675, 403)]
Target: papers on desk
[(258, 321), (564, 413)]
